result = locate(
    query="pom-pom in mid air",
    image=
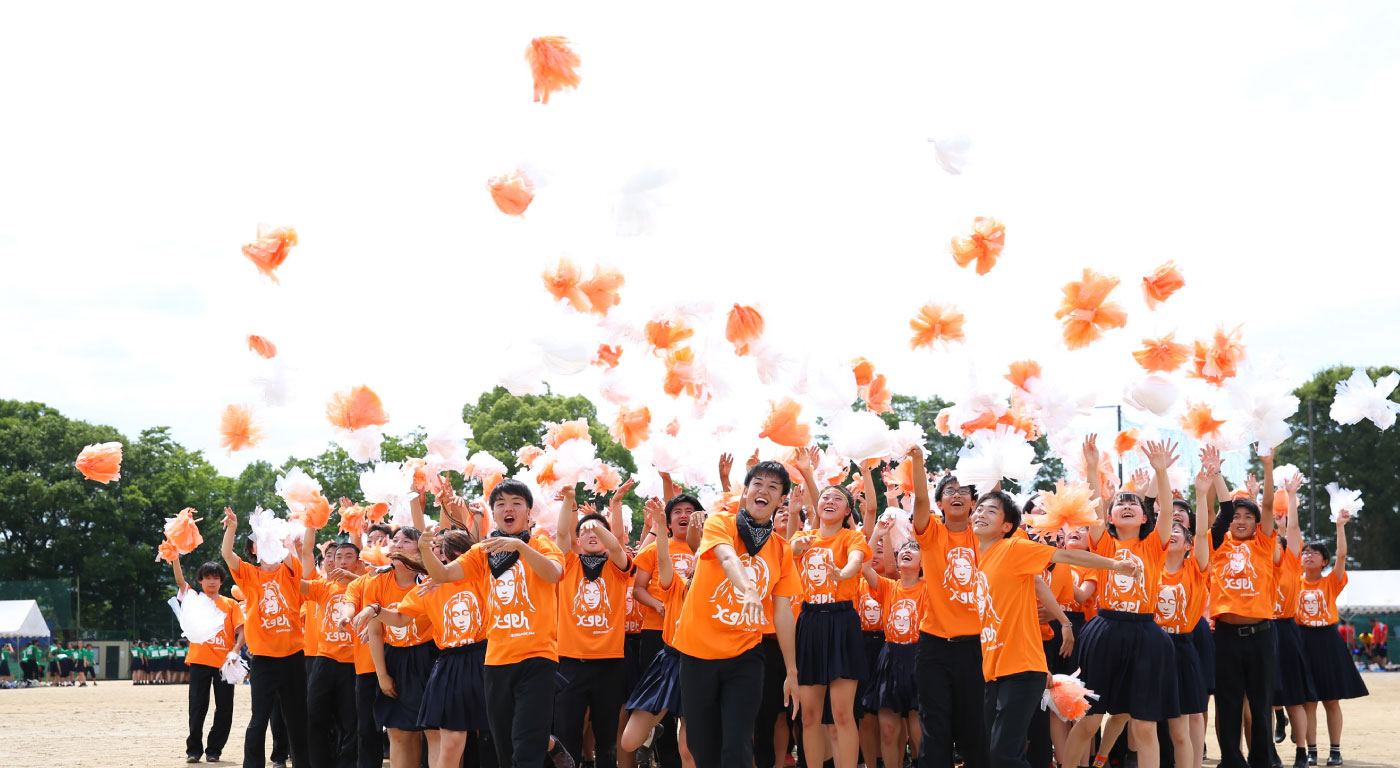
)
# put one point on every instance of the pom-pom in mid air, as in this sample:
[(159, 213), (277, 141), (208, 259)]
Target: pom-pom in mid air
[(1161, 284), (182, 530), (936, 324), (1357, 398), (1086, 311), (743, 328), (237, 430), (983, 245), (511, 192), (1070, 504), (101, 462), (270, 249), (552, 65), (264, 348), (782, 426)]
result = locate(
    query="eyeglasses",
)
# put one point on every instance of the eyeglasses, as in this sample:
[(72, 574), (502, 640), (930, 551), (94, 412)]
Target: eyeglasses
[(958, 492)]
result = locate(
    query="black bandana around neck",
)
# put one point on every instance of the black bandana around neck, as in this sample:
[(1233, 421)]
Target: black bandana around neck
[(753, 533), (592, 565), (502, 561)]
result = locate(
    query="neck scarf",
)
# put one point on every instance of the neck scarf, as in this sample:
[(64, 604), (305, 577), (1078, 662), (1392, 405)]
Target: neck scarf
[(592, 565), (753, 533), (503, 561)]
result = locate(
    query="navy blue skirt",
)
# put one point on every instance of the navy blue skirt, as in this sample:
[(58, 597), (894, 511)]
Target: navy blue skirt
[(1130, 663), (829, 645), (455, 696), (1191, 694), (1334, 675), (893, 687), (1205, 649), (409, 669), (1060, 665), (1294, 685), (659, 690)]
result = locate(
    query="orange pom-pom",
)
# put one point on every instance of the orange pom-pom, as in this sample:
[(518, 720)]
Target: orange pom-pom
[(1021, 372), (237, 430), (782, 426), (527, 455), (864, 371), (167, 552), (512, 192), (265, 349), (1069, 697), (270, 249), (984, 244), (601, 289), (546, 476), (359, 407), (1162, 354), (857, 486), (936, 324), (877, 395), (674, 428), (900, 479), (1239, 493), (729, 501), (1086, 311), (1021, 418), (1199, 422), (743, 328), (377, 511), (552, 65), (663, 334), (562, 282), (607, 479), (608, 355), (352, 520), (1219, 359), (101, 462), (556, 435), (681, 374), (1280, 504), (1161, 284), (940, 422), (183, 532), (632, 427), (1070, 504), (315, 512), (1126, 441)]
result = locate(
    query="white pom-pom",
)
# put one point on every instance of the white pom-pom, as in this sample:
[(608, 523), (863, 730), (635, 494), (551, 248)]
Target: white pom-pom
[(666, 453), (951, 152), (523, 370), (994, 455), (830, 388), (270, 533), (575, 462), (859, 435), (1179, 477), (773, 366), (904, 439), (298, 489), (235, 669), (1343, 500), (1281, 474), (567, 349), (271, 383), (635, 209), (1155, 394), (484, 465), (1357, 398), (449, 440), (1055, 406), (648, 484), (390, 483), (361, 444), (200, 618)]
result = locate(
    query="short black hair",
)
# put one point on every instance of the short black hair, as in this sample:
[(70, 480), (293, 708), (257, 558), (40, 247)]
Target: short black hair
[(946, 481), (348, 545), (590, 516), (380, 527), (511, 487), (769, 469), (682, 498), (210, 568), (1010, 511), (1320, 548), (1251, 507)]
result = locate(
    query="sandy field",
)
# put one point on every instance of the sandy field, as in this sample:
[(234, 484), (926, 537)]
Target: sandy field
[(116, 725)]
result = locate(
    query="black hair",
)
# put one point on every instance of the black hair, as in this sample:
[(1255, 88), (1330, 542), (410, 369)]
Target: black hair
[(946, 481), (1149, 516), (1251, 507), (852, 512), (317, 555), (681, 498), (347, 545), (210, 568), (511, 487), (455, 542), (1320, 548), (1010, 512), (380, 527), (1190, 535), (769, 469), (409, 531), (590, 516), (249, 547)]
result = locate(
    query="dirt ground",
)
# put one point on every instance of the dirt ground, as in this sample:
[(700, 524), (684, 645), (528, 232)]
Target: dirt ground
[(116, 725)]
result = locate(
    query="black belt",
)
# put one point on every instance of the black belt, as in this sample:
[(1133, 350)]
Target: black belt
[(958, 639), (1244, 630)]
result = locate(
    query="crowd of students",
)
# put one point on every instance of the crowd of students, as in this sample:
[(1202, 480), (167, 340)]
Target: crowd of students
[(70, 664), (799, 618)]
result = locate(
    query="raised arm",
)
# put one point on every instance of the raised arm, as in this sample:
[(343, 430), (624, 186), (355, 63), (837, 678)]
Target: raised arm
[(308, 559), (567, 521), (179, 577), (1160, 456), (668, 488), (619, 526), (923, 510), (1339, 568), (1266, 512), (616, 553), (230, 535), (869, 509), (726, 464), (1201, 549), (442, 573), (665, 569), (806, 459), (1295, 526), (1091, 476), (1091, 560)]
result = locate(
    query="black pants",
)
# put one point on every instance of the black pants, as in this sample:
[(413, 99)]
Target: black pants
[(202, 678), (594, 691), (666, 747), (1244, 666), (330, 714), (369, 740), (1008, 705), (720, 700), (519, 709), (279, 734), (281, 680), (770, 705), (950, 682)]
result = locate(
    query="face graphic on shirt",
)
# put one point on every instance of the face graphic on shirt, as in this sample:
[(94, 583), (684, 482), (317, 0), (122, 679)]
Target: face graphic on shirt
[(1170, 599), (818, 575), (513, 605), (902, 615), (1239, 574), (461, 616), (336, 611), (959, 576), (986, 610), (591, 606), (870, 611), (1119, 592), (1311, 602), (272, 602), (728, 605)]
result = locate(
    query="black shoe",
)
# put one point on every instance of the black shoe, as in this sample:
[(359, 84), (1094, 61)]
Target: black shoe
[(1335, 758), (1312, 755), (1280, 726), (559, 756), (192, 758), (211, 758), (1275, 760), (281, 764), (1300, 759), (643, 757)]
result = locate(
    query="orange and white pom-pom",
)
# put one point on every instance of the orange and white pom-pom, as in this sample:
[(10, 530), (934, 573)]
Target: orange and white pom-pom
[(900, 478), (605, 478), (665, 334), (1199, 422), (1086, 311), (1162, 354), (511, 192), (608, 355), (682, 374), (601, 289), (356, 408), (101, 462), (556, 435), (1218, 359), (353, 519), (270, 249), (743, 327), (264, 348), (864, 371), (936, 324), (167, 551), (782, 425), (1067, 697), (1126, 441), (302, 493), (1021, 373), (563, 283), (527, 455), (182, 530), (1070, 504), (237, 430), (632, 427), (877, 395), (552, 65), (1161, 284), (983, 245)]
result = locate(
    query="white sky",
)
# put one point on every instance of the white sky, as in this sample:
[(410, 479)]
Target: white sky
[(1252, 143)]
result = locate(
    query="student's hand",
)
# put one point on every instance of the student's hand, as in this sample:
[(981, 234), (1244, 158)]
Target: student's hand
[(591, 525), (753, 460), (790, 691), (883, 526), (625, 487), (1066, 640), (1210, 459), (1292, 484), (1091, 454), (1141, 479), (361, 620), (477, 509), (1127, 568), (802, 459), (726, 463), (800, 545), (502, 544), (697, 518), (1251, 484), (427, 587), (1343, 517), (1160, 454), (752, 606), (341, 575), (230, 519), (655, 513), (386, 684)]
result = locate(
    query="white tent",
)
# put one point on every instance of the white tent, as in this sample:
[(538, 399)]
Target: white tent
[(21, 618), (1370, 592)]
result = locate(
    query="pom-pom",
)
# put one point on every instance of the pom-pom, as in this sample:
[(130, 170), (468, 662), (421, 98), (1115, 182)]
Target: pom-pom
[(556, 435), (352, 519), (264, 348), (608, 356), (781, 425), (448, 440), (632, 427), (552, 64), (1126, 441), (270, 534), (1219, 359), (664, 334), (860, 435), (634, 210), (527, 455), (1161, 284), (601, 289), (951, 153), (864, 371), (101, 462), (996, 454), (605, 478), (877, 396), (237, 430), (1283, 473), (362, 445), (1022, 371), (302, 493), (1199, 422), (234, 670), (1162, 354), (743, 328), (563, 282), (1067, 697), (666, 454), (270, 249), (389, 483), (1085, 310), (183, 531), (899, 480), (1154, 394), (512, 192), (574, 461), (272, 384), (356, 408), (1070, 504), (1343, 500), (1357, 398), (200, 618), (484, 465), (903, 439), (167, 551), (936, 324), (983, 245), (682, 374)]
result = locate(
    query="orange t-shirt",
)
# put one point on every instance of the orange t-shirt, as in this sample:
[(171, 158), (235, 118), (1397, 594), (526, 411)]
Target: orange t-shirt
[(872, 614), (1288, 576), (364, 662), (1242, 577), (646, 561), (818, 565), (1078, 576), (1125, 593), (634, 612), (213, 652), (310, 621), (1181, 598), (1317, 600), (950, 576), (592, 612), (457, 611), (522, 606), (1006, 603), (328, 599), (674, 602), (712, 624), (1061, 584), (273, 626), (904, 609), (383, 589)]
